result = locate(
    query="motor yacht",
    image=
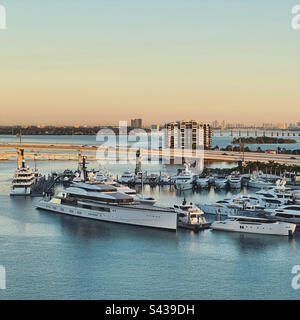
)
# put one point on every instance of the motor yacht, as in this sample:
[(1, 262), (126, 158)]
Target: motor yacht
[(258, 183), (202, 182), (221, 182), (185, 179), (105, 203), (287, 213), (235, 181), (190, 217), (254, 225), (127, 177), (24, 179)]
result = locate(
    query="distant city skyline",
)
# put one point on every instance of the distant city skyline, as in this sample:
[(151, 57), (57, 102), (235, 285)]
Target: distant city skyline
[(105, 61)]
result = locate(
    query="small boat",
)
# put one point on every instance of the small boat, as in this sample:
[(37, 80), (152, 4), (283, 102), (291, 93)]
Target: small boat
[(203, 182), (152, 178), (254, 225), (127, 177), (221, 182), (140, 177), (258, 183), (235, 181), (190, 217), (164, 178)]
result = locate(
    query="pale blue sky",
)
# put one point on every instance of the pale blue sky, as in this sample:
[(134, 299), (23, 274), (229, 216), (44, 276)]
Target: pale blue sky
[(104, 61)]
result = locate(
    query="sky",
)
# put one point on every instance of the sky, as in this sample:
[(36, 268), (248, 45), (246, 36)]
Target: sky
[(98, 62)]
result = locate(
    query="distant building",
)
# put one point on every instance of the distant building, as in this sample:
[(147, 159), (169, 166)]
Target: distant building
[(282, 126), (155, 127), (137, 123)]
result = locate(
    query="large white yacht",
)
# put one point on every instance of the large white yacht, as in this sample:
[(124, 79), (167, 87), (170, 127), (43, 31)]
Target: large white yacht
[(254, 225), (24, 178), (103, 202), (185, 179)]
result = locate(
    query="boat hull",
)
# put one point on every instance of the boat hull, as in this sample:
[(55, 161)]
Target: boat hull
[(20, 191), (118, 214), (183, 186), (282, 229)]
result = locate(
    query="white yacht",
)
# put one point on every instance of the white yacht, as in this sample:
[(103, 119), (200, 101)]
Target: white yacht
[(258, 183), (296, 196), (233, 206), (190, 217), (24, 177), (140, 177), (164, 178), (254, 225), (22, 182), (221, 182), (101, 202), (185, 180), (235, 181), (276, 196), (288, 213), (153, 178), (127, 177), (203, 182)]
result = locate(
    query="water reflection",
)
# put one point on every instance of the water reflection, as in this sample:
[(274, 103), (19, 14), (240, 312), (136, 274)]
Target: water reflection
[(86, 229), (247, 242)]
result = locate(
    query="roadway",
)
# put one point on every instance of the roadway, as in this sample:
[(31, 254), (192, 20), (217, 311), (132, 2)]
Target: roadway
[(228, 156)]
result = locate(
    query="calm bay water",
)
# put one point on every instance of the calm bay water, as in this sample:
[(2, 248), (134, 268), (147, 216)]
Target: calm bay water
[(51, 256), (217, 140)]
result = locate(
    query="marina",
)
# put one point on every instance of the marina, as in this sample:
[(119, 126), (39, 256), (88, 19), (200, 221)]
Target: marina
[(193, 240)]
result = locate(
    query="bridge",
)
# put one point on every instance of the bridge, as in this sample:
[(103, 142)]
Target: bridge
[(255, 132), (70, 152)]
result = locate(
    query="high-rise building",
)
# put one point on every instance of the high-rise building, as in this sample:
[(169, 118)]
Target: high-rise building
[(191, 134), (137, 123), (172, 135), (207, 131), (188, 134)]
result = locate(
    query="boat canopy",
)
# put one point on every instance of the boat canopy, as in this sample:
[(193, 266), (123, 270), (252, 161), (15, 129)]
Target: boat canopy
[(92, 187), (112, 197)]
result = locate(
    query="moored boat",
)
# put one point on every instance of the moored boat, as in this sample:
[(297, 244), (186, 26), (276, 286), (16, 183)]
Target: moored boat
[(254, 225)]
